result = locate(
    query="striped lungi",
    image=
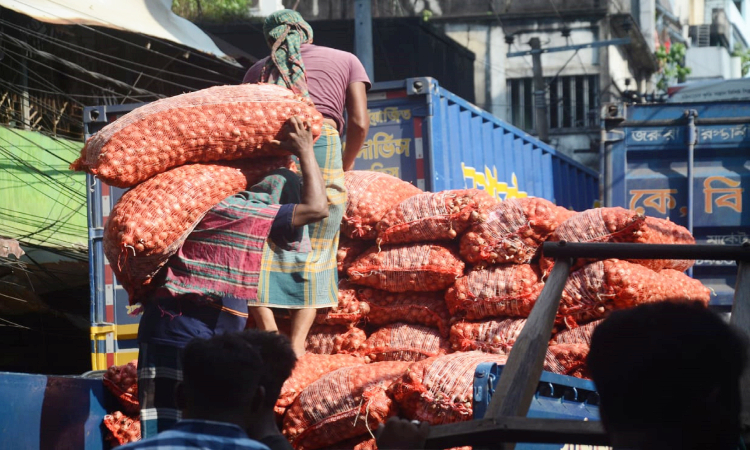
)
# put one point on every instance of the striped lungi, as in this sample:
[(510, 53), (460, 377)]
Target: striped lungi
[(292, 279), (168, 324), (159, 371)]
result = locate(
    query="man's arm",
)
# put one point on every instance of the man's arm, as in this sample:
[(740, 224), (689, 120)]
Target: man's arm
[(358, 122), (314, 202)]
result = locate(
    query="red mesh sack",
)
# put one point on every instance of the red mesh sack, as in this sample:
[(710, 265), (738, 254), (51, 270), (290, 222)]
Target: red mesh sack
[(491, 336), (577, 335), (349, 310), (370, 195), (218, 123), (334, 339), (349, 249), (309, 368), (122, 382), (421, 308), (343, 404), (366, 444), (403, 268), (439, 389), (513, 231), (506, 290), (602, 286), (403, 342), (151, 221), (122, 429), (688, 287), (567, 359), (439, 216), (622, 225)]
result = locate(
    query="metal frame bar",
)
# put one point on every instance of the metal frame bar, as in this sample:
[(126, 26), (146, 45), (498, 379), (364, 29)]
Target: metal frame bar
[(622, 41), (564, 249), (505, 422)]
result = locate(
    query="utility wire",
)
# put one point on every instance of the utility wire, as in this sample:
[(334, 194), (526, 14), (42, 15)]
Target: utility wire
[(76, 67), (199, 53), (45, 179), (16, 232), (115, 65), (19, 218), (53, 227), (30, 185), (96, 97), (90, 52), (36, 78), (42, 162), (125, 41), (68, 75), (553, 79), (68, 145), (64, 117), (29, 220)]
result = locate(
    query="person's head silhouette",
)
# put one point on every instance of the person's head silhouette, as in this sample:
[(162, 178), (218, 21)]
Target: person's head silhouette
[(668, 377)]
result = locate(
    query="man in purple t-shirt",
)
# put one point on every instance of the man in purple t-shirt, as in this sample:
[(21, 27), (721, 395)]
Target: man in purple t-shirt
[(336, 81), (304, 282)]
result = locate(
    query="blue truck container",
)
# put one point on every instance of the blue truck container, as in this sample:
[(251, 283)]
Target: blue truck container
[(424, 134), (419, 132), (689, 163), (557, 397), (53, 412)]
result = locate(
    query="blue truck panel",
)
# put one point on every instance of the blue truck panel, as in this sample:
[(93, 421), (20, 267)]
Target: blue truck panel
[(113, 327), (436, 140), (649, 173), (557, 397), (47, 412)]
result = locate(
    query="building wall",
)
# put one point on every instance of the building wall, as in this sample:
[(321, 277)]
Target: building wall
[(647, 21), (490, 65), (44, 202), (697, 14), (493, 72), (708, 63)]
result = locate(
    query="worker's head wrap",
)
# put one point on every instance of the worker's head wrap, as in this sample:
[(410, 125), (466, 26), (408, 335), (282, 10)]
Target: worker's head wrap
[(285, 32)]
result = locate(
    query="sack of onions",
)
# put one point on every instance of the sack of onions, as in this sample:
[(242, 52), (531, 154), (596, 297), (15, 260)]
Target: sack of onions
[(334, 339), (439, 216), (341, 405), (122, 382), (218, 123), (622, 225), (602, 286), (403, 342), (150, 222), (505, 290), (512, 232), (491, 336), (369, 196), (403, 268)]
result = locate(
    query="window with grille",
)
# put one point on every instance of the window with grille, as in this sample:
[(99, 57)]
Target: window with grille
[(573, 102)]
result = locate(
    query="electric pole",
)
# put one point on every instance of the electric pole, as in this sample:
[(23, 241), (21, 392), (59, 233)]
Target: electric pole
[(363, 35), (540, 91)]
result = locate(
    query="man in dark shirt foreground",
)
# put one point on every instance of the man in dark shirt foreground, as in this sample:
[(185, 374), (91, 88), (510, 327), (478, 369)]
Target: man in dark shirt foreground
[(230, 385), (668, 375)]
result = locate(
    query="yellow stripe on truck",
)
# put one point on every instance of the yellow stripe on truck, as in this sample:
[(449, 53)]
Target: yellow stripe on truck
[(126, 331), (125, 357)]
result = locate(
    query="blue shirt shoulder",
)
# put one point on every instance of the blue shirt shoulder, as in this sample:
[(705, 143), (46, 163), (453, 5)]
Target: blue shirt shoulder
[(199, 435)]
